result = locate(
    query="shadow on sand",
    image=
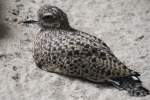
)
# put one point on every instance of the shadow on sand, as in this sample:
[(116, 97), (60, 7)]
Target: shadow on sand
[(3, 27)]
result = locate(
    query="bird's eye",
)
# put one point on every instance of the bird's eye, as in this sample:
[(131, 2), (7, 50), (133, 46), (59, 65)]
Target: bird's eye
[(47, 17)]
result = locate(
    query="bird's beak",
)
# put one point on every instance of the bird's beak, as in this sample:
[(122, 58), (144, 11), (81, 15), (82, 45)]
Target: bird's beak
[(30, 22)]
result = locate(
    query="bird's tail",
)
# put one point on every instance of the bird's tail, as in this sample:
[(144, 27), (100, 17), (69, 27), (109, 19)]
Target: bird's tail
[(132, 84)]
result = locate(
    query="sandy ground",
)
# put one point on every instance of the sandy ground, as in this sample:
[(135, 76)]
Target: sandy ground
[(123, 24)]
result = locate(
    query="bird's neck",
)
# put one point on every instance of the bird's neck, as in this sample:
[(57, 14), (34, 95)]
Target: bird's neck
[(62, 27)]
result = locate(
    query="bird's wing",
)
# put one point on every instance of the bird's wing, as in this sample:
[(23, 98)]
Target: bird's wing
[(95, 40), (91, 46), (78, 49)]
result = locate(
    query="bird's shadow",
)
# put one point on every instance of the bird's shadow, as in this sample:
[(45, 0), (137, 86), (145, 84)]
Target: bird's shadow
[(3, 26), (98, 84), (3, 31)]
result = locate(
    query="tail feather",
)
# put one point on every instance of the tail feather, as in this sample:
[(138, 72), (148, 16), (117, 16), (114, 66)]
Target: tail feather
[(138, 91), (132, 84)]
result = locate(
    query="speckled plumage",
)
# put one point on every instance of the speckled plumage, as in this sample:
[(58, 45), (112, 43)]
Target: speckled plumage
[(77, 54), (58, 48)]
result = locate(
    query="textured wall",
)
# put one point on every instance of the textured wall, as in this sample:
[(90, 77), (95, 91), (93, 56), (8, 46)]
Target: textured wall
[(123, 24)]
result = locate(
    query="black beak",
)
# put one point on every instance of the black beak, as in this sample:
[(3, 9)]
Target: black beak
[(29, 22)]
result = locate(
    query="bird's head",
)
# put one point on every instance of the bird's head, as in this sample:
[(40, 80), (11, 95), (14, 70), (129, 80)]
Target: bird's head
[(51, 17)]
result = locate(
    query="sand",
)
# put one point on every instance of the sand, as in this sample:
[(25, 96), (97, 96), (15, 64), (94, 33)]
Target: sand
[(123, 24)]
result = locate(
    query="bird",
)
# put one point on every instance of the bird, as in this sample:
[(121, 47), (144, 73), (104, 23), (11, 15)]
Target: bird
[(62, 49)]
